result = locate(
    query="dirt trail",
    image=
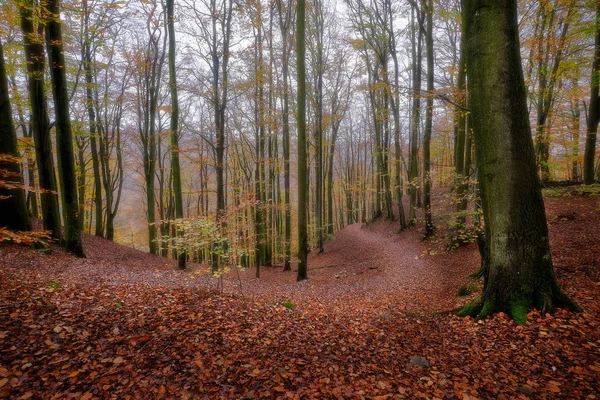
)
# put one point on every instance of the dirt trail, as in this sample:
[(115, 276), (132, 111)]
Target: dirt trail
[(372, 265)]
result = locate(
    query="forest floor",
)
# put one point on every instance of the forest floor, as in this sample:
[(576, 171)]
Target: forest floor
[(123, 324)]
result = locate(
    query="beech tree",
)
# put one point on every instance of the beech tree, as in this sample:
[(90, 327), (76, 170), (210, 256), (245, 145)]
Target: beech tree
[(302, 151), (175, 168), (14, 213), (518, 273), (429, 228), (594, 109), (35, 58), (64, 135)]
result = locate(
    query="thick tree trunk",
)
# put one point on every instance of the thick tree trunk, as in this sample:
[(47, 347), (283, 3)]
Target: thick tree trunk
[(13, 203), (519, 274), (36, 65), (64, 135)]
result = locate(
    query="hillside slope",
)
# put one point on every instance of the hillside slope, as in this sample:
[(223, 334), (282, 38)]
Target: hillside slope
[(123, 324)]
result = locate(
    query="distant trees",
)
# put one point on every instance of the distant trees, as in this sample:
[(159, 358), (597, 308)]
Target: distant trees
[(374, 108)]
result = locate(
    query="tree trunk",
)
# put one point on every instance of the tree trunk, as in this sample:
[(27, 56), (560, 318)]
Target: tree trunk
[(13, 203), (175, 166), (415, 118), (594, 111), (64, 135), (285, 17), (429, 228), (460, 121), (89, 80), (302, 153), (36, 65), (519, 274)]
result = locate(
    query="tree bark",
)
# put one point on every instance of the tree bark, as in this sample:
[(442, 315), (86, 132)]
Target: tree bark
[(519, 274), (14, 215), (429, 228), (285, 19), (594, 110), (302, 153), (175, 166), (36, 65), (64, 135)]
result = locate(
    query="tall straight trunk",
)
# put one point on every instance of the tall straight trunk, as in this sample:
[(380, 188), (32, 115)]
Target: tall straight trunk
[(594, 112), (175, 166), (284, 23), (519, 273), (429, 228), (397, 144), (14, 215), (36, 65), (302, 151), (89, 80), (575, 121), (415, 118), (460, 120), (385, 145), (320, 70), (259, 173), (150, 168), (64, 135), (220, 70)]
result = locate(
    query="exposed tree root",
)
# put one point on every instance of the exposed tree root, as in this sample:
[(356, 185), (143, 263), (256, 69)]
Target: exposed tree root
[(519, 306)]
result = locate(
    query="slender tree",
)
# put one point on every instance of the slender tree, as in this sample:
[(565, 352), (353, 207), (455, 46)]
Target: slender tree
[(519, 273), (285, 21), (429, 228), (64, 135), (13, 203), (302, 151), (175, 166), (93, 126), (594, 109)]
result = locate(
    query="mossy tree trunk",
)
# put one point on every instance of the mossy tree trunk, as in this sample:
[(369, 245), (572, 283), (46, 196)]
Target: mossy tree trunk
[(519, 274), (64, 135), (302, 151), (13, 203)]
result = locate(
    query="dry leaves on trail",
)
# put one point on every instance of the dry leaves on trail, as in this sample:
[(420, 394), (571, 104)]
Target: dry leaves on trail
[(122, 324)]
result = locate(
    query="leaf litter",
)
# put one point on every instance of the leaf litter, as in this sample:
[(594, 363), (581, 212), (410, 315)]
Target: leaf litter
[(126, 325)]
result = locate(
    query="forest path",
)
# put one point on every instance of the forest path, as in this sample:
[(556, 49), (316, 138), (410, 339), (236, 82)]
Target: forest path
[(371, 265)]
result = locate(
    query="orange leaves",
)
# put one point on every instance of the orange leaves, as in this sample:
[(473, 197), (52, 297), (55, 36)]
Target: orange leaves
[(347, 338)]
